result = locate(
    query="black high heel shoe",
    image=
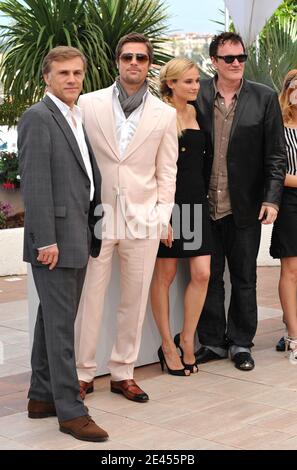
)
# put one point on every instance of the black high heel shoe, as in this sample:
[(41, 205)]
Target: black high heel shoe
[(181, 372), (189, 367)]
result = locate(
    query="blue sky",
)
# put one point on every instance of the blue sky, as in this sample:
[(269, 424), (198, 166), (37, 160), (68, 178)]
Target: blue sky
[(195, 15), (190, 15)]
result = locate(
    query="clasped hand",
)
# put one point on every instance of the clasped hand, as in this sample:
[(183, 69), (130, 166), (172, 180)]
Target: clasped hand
[(267, 215), (168, 241), (49, 256)]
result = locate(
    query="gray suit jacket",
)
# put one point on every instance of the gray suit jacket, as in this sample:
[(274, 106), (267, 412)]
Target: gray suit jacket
[(56, 188)]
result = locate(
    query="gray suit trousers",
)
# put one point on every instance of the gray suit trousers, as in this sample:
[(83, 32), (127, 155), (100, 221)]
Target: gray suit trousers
[(54, 377)]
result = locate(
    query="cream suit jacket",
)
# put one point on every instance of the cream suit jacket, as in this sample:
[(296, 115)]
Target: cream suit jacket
[(141, 184)]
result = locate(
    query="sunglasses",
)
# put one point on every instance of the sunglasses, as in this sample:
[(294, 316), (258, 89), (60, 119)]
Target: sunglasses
[(229, 59), (128, 57)]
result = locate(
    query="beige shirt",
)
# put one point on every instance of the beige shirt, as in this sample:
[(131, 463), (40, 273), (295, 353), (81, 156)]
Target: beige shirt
[(219, 198)]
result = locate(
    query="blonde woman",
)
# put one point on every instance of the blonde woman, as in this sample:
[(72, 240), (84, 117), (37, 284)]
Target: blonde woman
[(179, 86), (284, 240)]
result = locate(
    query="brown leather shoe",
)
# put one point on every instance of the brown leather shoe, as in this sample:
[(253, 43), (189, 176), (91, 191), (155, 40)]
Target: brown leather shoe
[(129, 389), (83, 428), (85, 388), (40, 409)]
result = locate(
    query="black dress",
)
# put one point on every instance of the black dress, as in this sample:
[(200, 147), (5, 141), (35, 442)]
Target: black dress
[(190, 217), (284, 240)]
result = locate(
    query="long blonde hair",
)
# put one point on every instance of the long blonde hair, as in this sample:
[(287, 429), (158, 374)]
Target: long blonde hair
[(289, 108), (173, 70)]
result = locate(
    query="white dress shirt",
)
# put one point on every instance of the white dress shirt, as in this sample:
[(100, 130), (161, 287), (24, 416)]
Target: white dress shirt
[(125, 127), (74, 119)]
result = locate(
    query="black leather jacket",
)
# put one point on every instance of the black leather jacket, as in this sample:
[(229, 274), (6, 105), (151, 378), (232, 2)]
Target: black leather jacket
[(256, 157)]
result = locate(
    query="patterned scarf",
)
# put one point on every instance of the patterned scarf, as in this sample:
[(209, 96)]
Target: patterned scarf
[(130, 103)]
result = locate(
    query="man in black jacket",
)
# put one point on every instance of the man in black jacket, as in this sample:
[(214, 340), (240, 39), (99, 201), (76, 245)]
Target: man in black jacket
[(246, 171)]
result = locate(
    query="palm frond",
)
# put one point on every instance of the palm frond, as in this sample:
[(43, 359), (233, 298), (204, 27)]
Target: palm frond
[(93, 26), (276, 55)]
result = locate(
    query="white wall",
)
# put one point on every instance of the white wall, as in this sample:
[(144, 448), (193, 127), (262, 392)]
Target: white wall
[(11, 252), (264, 258), (150, 336)]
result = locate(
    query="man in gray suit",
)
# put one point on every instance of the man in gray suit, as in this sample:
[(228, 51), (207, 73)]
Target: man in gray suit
[(61, 186)]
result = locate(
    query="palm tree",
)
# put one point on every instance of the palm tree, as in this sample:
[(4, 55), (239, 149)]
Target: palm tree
[(272, 58), (36, 27), (94, 27), (276, 55), (117, 18)]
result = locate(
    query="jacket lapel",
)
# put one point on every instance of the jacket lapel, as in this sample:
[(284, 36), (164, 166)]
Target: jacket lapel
[(63, 124), (91, 155), (150, 116), (103, 110), (95, 170), (242, 101), (207, 102)]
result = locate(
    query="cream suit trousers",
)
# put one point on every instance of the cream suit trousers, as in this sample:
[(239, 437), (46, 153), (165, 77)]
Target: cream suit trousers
[(137, 259)]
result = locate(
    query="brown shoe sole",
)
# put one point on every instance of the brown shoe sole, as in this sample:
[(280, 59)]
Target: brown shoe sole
[(86, 392), (40, 415), (138, 400), (90, 439)]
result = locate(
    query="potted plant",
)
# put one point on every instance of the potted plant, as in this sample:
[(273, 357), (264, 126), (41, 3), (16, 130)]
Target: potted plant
[(5, 209), (9, 170), (11, 216), (10, 181)]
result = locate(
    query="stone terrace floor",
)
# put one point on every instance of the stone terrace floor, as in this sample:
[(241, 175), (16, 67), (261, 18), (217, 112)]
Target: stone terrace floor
[(219, 408)]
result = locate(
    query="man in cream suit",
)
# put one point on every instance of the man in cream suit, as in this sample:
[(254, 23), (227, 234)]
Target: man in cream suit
[(134, 138)]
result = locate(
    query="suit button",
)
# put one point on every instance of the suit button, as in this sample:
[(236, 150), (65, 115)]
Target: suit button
[(86, 211)]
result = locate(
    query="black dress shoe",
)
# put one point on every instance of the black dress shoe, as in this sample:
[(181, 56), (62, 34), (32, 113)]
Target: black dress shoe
[(281, 345), (243, 361), (204, 355)]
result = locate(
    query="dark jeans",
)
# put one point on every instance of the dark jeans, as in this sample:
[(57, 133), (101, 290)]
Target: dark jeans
[(240, 247)]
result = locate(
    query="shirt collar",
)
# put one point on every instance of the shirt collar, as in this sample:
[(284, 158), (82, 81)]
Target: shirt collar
[(236, 94), (63, 107)]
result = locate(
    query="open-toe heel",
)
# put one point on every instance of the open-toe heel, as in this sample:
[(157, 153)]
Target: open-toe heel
[(189, 367), (291, 349), (193, 368), (177, 344), (180, 372)]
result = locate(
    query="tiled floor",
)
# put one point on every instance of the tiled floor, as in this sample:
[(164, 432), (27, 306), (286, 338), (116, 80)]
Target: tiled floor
[(219, 408)]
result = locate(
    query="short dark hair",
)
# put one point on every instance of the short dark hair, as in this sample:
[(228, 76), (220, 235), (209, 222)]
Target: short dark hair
[(135, 37), (221, 39), (59, 54)]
